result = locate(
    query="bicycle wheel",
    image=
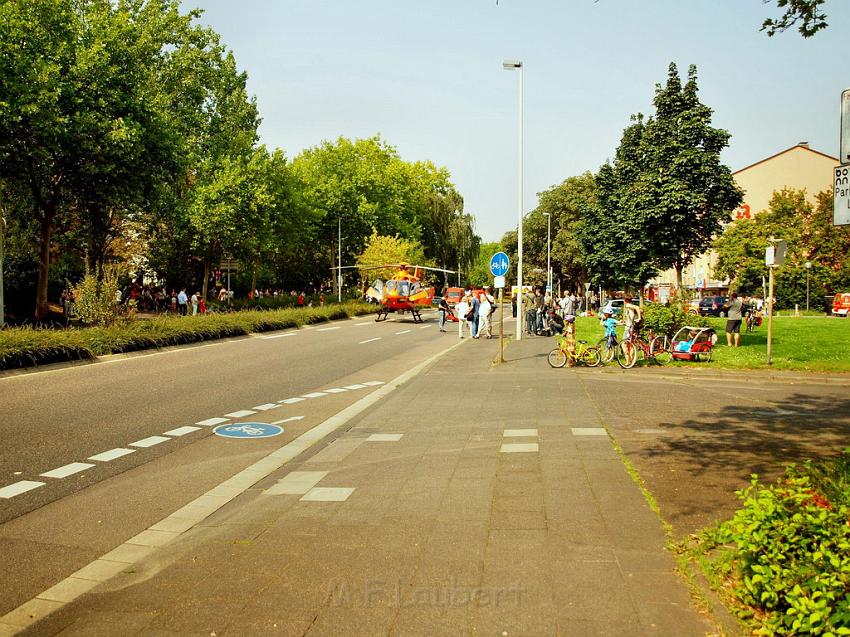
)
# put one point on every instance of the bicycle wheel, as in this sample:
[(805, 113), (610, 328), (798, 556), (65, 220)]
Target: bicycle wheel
[(591, 357), (627, 355), (660, 349), (557, 357), (606, 353)]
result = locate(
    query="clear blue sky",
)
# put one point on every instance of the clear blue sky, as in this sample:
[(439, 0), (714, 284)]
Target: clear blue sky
[(427, 76)]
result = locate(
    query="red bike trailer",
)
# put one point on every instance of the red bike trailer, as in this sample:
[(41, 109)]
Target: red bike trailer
[(693, 343)]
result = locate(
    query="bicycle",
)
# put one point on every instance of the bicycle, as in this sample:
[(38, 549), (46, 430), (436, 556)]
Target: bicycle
[(588, 355), (656, 348), (608, 346)]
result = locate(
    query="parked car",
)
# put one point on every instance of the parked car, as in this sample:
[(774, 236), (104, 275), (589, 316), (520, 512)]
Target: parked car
[(841, 304), (714, 306)]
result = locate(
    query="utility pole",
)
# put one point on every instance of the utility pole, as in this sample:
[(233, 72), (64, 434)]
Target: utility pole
[(339, 260)]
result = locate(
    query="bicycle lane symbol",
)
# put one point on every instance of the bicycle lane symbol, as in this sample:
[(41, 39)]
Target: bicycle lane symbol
[(248, 430)]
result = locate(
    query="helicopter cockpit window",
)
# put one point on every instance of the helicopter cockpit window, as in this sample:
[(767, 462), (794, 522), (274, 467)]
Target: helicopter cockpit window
[(391, 285), (404, 288), (415, 287)]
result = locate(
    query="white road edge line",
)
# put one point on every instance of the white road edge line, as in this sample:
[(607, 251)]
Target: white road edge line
[(161, 533), (378, 338)]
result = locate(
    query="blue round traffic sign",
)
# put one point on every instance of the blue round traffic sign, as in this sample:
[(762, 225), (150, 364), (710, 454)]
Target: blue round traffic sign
[(499, 263), (248, 430)]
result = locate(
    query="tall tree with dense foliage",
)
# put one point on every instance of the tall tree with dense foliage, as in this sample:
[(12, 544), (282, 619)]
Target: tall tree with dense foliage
[(85, 127), (667, 194)]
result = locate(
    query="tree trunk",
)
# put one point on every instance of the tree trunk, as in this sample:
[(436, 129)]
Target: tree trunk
[(253, 275), (205, 287), (48, 213), (678, 269)]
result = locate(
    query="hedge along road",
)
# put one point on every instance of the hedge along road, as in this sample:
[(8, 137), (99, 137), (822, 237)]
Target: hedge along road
[(54, 418)]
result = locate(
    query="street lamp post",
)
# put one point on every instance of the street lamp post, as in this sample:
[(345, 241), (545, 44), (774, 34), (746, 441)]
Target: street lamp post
[(516, 65), (549, 252), (808, 269)]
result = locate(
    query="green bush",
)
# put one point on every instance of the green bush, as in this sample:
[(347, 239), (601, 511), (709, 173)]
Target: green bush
[(24, 347), (785, 555), (668, 319), (94, 299)]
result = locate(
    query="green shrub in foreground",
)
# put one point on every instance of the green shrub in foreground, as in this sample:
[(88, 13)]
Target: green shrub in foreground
[(785, 555), (24, 347)]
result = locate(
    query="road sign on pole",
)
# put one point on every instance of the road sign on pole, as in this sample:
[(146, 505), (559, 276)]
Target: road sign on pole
[(499, 264), (499, 282), (845, 128), (841, 194)]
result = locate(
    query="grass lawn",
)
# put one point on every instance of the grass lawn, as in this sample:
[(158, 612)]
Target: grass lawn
[(802, 344)]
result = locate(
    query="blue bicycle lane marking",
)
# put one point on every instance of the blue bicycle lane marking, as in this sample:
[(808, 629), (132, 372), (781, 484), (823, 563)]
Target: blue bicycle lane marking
[(248, 430)]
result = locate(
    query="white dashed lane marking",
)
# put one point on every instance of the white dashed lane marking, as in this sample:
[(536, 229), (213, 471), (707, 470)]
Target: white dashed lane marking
[(384, 438), (373, 383), (355, 386), (149, 442), (268, 338), (290, 401), (182, 431), (315, 394), (334, 390), (526, 447), (327, 494), (19, 487), (240, 414), (112, 454), (423, 327), (369, 340), (266, 407), (211, 422), (326, 329), (402, 332), (67, 470)]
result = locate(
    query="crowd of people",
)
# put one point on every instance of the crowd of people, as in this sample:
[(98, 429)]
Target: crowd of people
[(474, 311), (546, 314)]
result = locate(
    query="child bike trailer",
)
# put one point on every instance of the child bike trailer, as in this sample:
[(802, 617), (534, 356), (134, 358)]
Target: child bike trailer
[(693, 343)]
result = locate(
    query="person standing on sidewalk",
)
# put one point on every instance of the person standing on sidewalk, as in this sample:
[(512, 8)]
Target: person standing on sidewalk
[(463, 309), (484, 308), (476, 307), (733, 322), (445, 311), (195, 297)]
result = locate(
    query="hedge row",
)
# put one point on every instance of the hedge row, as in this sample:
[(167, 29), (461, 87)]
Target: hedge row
[(25, 347)]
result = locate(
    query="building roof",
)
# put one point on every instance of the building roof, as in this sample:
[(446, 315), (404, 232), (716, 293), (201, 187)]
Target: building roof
[(802, 145)]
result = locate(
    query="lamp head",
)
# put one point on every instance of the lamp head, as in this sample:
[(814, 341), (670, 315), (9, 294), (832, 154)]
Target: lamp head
[(511, 65)]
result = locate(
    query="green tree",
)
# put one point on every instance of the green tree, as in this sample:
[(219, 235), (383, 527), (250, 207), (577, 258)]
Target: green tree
[(809, 235), (564, 203), (383, 250), (86, 126), (666, 195), (808, 13), (684, 193)]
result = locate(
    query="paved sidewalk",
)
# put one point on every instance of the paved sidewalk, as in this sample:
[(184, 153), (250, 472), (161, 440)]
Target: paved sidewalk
[(474, 500)]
